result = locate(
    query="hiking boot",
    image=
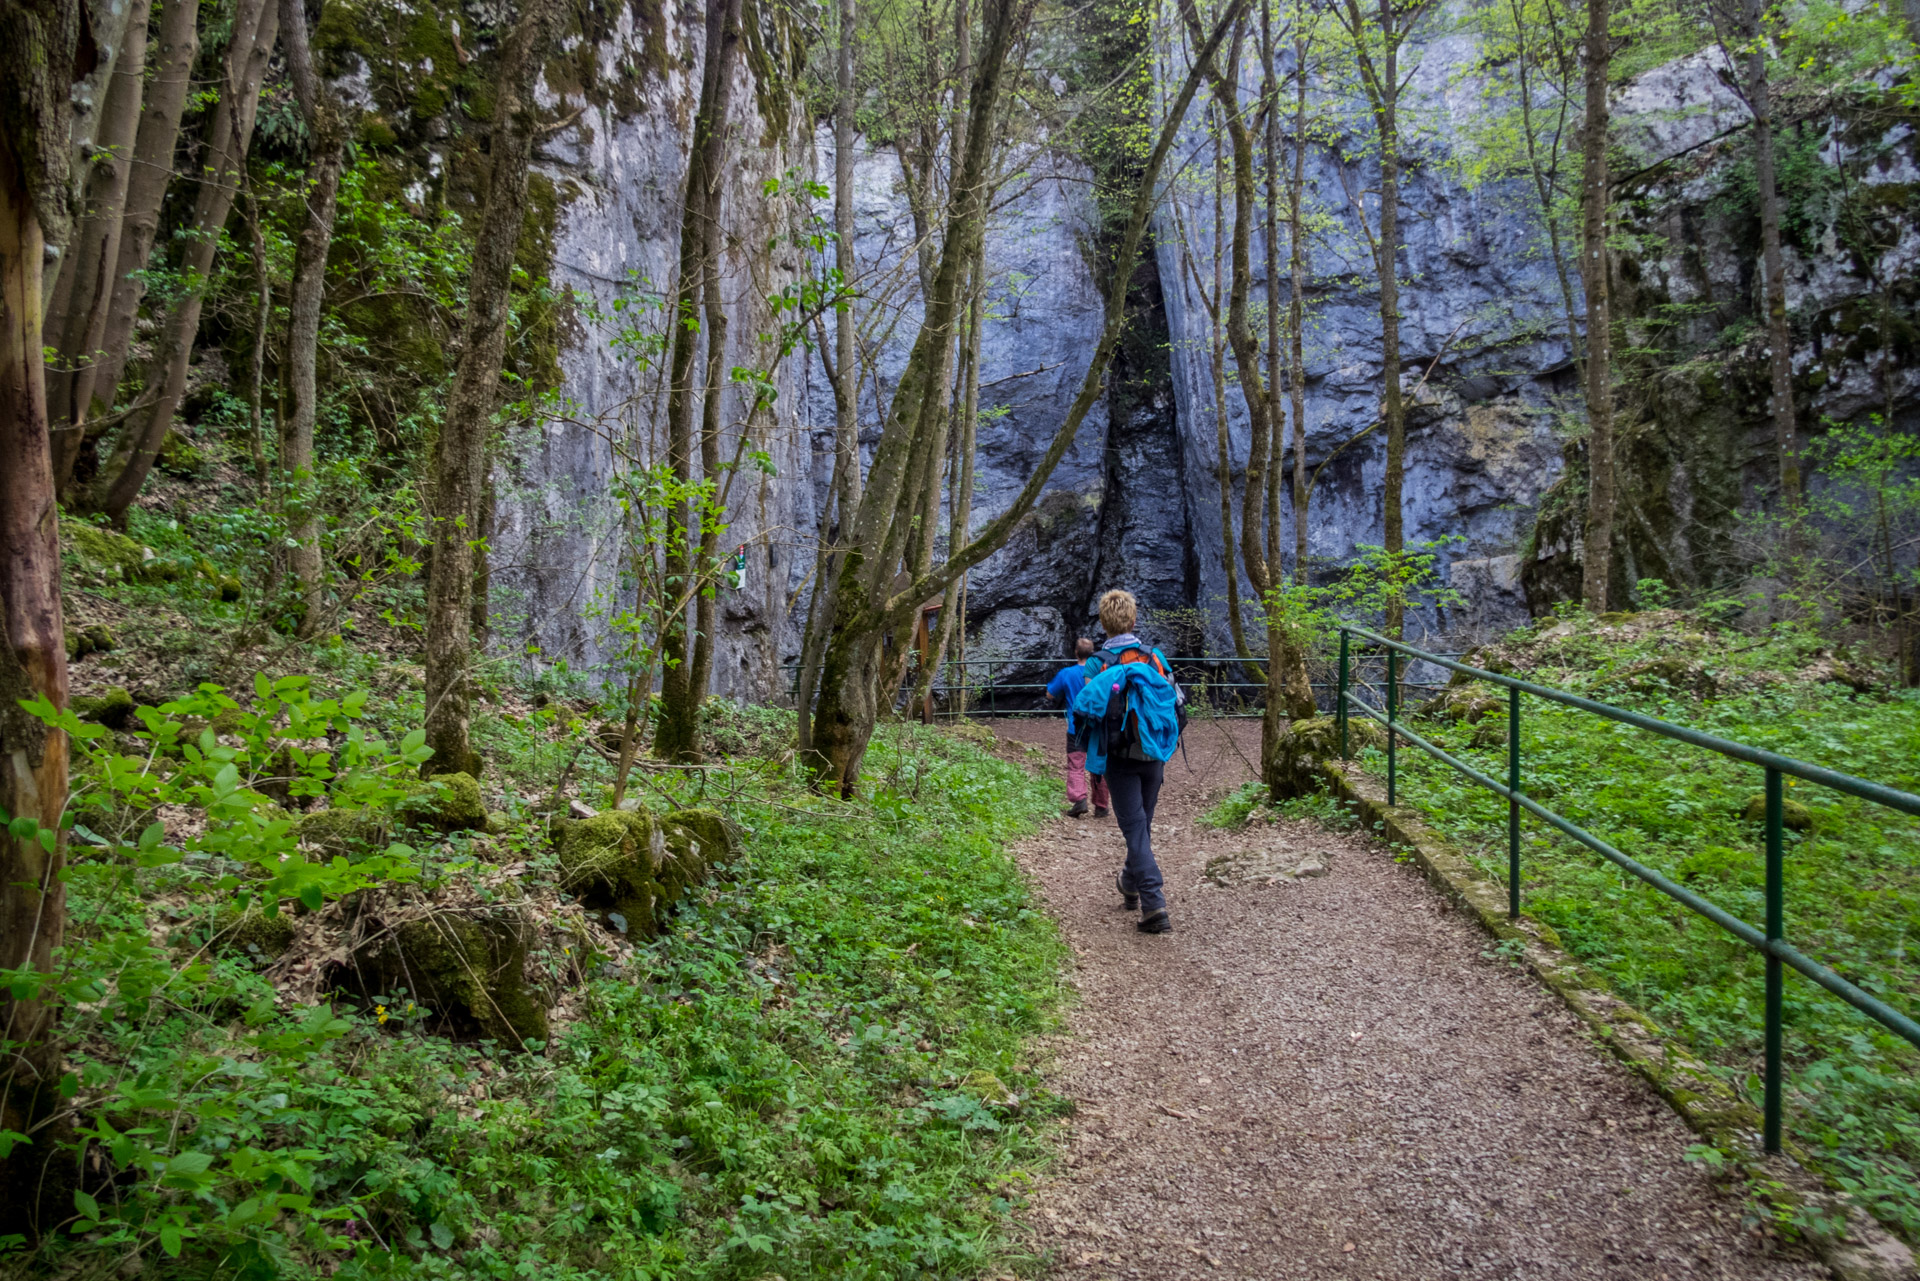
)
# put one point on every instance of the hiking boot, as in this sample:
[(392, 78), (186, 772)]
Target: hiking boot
[(1155, 922), (1128, 899), (1076, 810), (1101, 811)]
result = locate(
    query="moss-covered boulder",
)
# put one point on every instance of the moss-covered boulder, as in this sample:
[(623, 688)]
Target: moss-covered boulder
[(1304, 744), (111, 556), (114, 709), (1794, 816), (226, 587), (95, 638), (448, 803), (469, 972), (702, 837), (1463, 703), (611, 862), (344, 832), (253, 932), (1670, 675), (180, 457), (635, 866)]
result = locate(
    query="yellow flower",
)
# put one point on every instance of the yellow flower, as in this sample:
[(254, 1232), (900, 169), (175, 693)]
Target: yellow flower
[(381, 1011)]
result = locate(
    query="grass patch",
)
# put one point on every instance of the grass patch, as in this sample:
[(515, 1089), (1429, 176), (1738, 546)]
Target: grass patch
[(820, 1070), (1248, 803), (1852, 883)]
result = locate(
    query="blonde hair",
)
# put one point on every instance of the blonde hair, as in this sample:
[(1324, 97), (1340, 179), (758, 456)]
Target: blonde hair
[(1118, 610)]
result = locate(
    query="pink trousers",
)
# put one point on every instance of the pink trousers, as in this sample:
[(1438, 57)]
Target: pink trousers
[(1077, 782)]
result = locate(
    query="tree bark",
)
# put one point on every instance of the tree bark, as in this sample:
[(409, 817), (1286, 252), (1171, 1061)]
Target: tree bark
[(459, 456), (171, 52), (1288, 687), (1380, 79), (846, 714), (875, 540), (1597, 555), (682, 683), (77, 318), (231, 130), (326, 133), (38, 44), (845, 376), (1297, 310)]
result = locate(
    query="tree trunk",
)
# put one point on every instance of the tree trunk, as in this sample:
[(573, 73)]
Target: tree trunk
[(1393, 515), (459, 456), (326, 133), (37, 51), (846, 714), (1289, 691), (171, 52), (257, 363), (683, 683), (845, 376), (77, 318), (231, 129), (1297, 311), (1779, 335), (1597, 556), (848, 705)]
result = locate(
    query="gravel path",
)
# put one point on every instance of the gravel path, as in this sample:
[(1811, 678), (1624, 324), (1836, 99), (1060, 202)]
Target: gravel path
[(1327, 1078)]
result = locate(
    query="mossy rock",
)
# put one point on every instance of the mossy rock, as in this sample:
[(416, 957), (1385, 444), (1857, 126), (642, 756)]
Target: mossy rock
[(1306, 743), (448, 803), (1794, 816), (1665, 675), (344, 832), (225, 586), (96, 638), (1463, 703), (253, 932), (114, 709), (1489, 733), (469, 972), (181, 458), (611, 862), (702, 838), (114, 556)]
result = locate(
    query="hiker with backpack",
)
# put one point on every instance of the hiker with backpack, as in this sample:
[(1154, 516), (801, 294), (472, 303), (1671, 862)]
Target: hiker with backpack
[(1061, 689), (1133, 712)]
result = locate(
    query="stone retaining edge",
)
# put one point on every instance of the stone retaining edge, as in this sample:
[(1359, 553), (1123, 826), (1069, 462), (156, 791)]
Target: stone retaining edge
[(1704, 1102)]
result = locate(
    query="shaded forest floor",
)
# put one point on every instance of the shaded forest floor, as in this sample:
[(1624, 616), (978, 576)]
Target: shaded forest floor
[(1332, 1076)]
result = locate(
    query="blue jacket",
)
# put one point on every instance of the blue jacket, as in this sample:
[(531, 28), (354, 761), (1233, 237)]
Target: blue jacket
[(1065, 685), (1153, 699)]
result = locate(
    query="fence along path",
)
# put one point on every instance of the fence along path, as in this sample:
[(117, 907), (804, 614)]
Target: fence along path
[(1327, 1077)]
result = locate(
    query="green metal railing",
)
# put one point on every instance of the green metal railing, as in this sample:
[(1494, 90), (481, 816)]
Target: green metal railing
[(1770, 940)]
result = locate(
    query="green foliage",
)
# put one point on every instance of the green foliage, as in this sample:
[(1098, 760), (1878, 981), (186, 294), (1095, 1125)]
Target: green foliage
[(1852, 882), (819, 1070)]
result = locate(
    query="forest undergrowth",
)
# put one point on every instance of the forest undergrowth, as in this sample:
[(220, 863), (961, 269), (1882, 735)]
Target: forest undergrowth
[(819, 1067)]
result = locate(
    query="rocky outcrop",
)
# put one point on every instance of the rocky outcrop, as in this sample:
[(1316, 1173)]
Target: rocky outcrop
[(1494, 463)]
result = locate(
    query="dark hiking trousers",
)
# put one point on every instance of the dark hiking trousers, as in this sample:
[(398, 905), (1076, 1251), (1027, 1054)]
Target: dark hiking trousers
[(1135, 786)]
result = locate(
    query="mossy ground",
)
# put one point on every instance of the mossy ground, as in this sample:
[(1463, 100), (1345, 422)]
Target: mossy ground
[(1852, 881)]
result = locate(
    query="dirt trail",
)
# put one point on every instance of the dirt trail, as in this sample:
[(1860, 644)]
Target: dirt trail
[(1326, 1077)]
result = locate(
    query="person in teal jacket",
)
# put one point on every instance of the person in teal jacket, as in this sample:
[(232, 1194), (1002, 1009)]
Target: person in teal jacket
[(1132, 712)]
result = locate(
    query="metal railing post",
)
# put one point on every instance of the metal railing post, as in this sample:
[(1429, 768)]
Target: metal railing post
[(1513, 806), (1340, 701), (1776, 911), (1393, 707)]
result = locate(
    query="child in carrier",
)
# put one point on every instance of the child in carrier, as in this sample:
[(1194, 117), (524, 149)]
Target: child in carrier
[(1061, 689)]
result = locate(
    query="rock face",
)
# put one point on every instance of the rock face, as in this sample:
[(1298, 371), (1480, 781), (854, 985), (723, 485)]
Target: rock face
[(1487, 365)]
